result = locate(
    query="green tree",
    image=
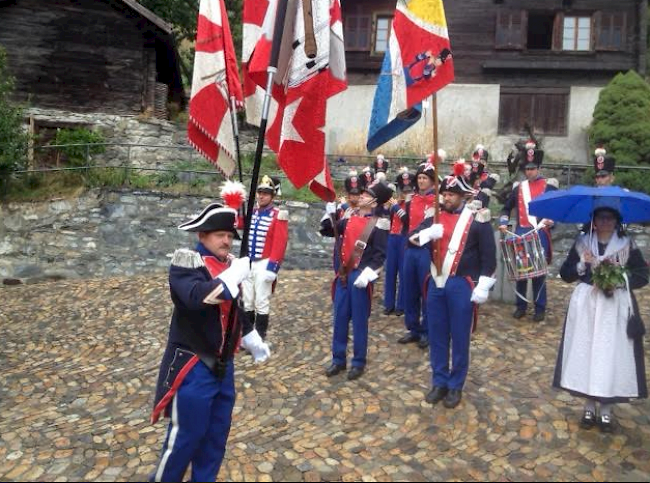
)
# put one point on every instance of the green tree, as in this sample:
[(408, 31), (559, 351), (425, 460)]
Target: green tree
[(622, 123), (13, 138), (183, 15)]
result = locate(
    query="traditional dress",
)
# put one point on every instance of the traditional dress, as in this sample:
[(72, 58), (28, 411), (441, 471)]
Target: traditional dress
[(597, 359)]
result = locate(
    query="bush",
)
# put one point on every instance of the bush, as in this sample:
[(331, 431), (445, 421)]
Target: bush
[(77, 156), (622, 123), (13, 138)]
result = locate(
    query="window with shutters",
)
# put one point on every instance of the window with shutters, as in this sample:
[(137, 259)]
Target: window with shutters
[(540, 30), (511, 29), (383, 26), (576, 34), (357, 32), (544, 109), (610, 30)]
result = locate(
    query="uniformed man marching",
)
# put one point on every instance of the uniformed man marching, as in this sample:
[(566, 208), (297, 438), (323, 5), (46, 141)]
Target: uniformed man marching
[(468, 264), (363, 252), (196, 386)]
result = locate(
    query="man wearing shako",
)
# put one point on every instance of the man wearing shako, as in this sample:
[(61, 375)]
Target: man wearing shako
[(381, 164), (604, 166), (394, 280), (196, 386), (334, 213), (479, 178), (468, 253), (267, 244), (363, 251), (416, 258), (522, 194)]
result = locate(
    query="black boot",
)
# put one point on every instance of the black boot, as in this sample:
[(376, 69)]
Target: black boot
[(248, 322), (262, 325)]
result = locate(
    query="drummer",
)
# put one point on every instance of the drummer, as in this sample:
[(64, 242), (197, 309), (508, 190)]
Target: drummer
[(522, 194)]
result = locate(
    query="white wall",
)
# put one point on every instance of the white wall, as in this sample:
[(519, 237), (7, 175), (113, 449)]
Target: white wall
[(468, 114)]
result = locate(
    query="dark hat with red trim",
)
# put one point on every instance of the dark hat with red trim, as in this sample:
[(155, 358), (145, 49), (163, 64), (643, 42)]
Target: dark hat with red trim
[(353, 183), (456, 182), (406, 180), (603, 164), (270, 184), (215, 217), (531, 156), (381, 164), (367, 176)]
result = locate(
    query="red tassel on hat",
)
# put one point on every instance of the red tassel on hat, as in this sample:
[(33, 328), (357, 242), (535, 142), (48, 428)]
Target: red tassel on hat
[(459, 168)]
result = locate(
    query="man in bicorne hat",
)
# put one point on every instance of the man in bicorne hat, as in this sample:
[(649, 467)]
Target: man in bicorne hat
[(196, 386), (522, 194), (466, 277), (363, 251), (267, 244), (604, 166)]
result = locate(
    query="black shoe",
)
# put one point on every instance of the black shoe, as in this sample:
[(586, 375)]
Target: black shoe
[(424, 343), (399, 313), (453, 398), (436, 395), (334, 369), (606, 424), (588, 420), (539, 316), (388, 311), (519, 313), (409, 339), (355, 373)]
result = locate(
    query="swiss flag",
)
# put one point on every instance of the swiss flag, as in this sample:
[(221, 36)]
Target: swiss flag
[(215, 81), (302, 86)]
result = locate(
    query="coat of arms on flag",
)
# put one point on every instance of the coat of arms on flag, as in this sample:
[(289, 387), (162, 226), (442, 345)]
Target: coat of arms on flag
[(215, 85), (417, 64), (302, 84)]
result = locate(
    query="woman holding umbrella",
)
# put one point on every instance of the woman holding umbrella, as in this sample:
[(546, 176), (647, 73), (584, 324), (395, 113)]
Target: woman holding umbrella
[(601, 354)]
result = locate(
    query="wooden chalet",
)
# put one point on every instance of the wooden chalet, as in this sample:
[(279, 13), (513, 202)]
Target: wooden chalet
[(537, 53), (84, 56)]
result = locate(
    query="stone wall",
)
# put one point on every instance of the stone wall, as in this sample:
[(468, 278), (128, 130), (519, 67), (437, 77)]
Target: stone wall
[(123, 233)]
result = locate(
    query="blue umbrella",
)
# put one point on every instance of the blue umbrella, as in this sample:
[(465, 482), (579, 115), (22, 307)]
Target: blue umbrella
[(577, 204)]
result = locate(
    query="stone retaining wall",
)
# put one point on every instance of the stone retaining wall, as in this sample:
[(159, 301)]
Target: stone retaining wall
[(105, 233)]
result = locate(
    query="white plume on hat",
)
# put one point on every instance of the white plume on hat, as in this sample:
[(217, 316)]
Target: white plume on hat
[(530, 144), (600, 152)]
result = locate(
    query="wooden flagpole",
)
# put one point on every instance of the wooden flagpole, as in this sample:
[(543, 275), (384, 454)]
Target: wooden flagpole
[(436, 162)]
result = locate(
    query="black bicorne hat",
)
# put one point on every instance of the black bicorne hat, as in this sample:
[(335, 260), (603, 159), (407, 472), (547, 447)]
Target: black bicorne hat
[(379, 191), (456, 184), (531, 158), (215, 217), (427, 168)]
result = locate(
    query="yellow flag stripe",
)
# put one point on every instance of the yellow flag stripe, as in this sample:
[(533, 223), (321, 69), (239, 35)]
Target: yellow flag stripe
[(427, 11)]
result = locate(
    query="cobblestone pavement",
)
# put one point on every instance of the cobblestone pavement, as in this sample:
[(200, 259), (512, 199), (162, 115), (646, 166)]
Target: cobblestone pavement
[(79, 361)]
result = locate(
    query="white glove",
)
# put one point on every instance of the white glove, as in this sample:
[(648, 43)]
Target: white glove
[(269, 276), (434, 232), (482, 290), (330, 208), (254, 344), (368, 275), (233, 276)]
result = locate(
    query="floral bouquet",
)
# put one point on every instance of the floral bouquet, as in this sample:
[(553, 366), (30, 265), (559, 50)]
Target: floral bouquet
[(608, 276)]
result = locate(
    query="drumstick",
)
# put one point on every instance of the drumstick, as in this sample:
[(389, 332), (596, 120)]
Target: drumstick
[(311, 50)]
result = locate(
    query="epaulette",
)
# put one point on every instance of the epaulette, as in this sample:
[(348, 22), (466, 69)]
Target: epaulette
[(283, 215), (185, 258), (475, 205), (383, 224), (553, 182), (516, 184), (495, 177), (483, 215)]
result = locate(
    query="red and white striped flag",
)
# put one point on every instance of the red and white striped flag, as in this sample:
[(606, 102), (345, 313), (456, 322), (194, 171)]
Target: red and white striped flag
[(302, 85), (215, 81)]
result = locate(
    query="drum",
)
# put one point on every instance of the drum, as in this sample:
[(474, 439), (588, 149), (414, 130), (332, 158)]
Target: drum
[(523, 256)]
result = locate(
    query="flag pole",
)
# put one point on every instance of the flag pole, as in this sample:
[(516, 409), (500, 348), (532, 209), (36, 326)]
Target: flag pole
[(436, 162), (278, 31), (235, 130)]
